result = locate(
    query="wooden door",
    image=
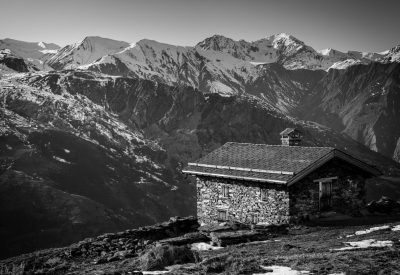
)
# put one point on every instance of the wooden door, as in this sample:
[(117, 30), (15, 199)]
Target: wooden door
[(325, 196)]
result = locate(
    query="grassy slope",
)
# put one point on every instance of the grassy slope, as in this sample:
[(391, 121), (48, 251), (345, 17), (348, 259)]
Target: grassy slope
[(309, 250), (304, 248)]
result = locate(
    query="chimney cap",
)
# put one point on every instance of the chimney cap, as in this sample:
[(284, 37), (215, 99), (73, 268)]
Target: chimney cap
[(288, 131), (290, 137)]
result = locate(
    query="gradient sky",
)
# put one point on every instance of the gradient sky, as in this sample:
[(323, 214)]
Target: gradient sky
[(367, 25)]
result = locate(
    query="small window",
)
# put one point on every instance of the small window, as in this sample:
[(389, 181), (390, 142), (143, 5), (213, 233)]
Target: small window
[(263, 194), (225, 191), (199, 193), (222, 215), (254, 218)]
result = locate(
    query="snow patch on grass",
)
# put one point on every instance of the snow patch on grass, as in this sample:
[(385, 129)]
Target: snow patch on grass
[(396, 228), (367, 231), (155, 272), (364, 244), (280, 270), (204, 246)]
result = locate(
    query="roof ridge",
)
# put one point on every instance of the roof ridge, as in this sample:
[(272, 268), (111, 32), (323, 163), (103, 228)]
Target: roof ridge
[(280, 145)]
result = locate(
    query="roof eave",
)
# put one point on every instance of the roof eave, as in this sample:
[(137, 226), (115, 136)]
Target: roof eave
[(196, 173)]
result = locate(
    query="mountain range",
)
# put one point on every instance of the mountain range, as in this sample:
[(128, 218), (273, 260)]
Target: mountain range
[(94, 134)]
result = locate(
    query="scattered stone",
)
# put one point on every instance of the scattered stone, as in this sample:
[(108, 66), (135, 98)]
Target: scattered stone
[(188, 238), (204, 247), (384, 205), (158, 257), (240, 236)]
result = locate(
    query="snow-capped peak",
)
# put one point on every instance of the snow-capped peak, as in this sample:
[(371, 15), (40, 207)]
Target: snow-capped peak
[(393, 55), (218, 43), (384, 52), (326, 51), (284, 38), (92, 42), (86, 51), (42, 45), (332, 53)]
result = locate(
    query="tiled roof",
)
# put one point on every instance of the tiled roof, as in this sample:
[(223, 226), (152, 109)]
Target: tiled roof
[(261, 162), (266, 157)]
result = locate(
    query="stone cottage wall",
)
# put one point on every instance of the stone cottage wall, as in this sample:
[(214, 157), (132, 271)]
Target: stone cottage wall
[(243, 201), (348, 191)]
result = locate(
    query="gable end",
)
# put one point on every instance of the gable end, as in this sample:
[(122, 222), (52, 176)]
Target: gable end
[(334, 154)]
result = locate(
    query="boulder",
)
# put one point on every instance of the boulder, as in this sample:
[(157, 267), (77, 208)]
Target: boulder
[(239, 236), (188, 238), (384, 205)]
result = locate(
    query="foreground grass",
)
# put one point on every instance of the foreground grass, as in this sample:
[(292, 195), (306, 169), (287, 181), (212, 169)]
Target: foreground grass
[(304, 248), (309, 249)]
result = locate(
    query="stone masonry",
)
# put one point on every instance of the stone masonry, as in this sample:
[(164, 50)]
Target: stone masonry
[(243, 202)]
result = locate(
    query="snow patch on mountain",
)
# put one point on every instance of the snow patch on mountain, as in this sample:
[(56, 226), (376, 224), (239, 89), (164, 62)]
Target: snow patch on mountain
[(393, 55), (257, 63), (48, 51), (341, 65), (220, 88)]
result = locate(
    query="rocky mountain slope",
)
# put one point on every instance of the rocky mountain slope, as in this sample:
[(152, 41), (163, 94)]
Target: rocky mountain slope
[(362, 101), (10, 63), (72, 168)]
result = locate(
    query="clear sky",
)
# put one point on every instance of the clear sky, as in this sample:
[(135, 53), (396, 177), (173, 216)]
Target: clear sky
[(368, 25)]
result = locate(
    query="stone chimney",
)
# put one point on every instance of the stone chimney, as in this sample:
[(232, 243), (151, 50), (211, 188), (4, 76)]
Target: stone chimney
[(290, 137)]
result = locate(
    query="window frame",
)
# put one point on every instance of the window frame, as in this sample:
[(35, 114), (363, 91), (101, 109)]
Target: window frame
[(263, 194), (199, 195), (255, 218), (225, 191), (225, 213)]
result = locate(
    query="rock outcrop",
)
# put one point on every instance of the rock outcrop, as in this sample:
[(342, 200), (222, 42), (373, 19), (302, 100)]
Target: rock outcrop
[(8, 59)]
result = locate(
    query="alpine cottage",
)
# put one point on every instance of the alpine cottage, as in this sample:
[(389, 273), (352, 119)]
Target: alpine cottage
[(277, 184)]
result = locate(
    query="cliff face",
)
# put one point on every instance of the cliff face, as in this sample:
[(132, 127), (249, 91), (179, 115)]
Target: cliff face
[(363, 101), (11, 62)]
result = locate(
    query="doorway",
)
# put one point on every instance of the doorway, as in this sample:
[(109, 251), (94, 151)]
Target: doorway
[(325, 196)]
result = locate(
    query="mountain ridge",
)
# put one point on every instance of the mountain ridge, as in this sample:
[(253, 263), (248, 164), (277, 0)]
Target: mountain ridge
[(281, 48)]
